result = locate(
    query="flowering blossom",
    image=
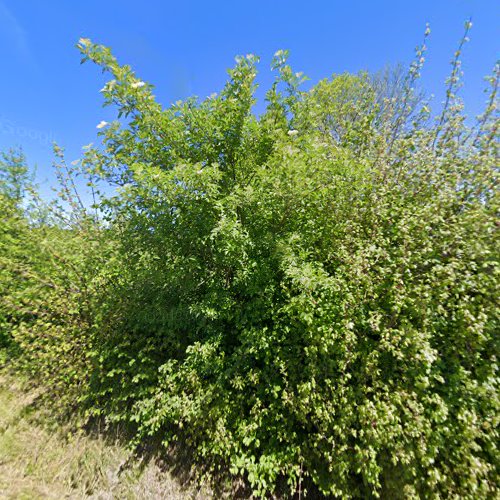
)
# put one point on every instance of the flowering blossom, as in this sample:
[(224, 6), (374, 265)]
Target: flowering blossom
[(293, 132), (108, 86), (102, 124), (137, 85)]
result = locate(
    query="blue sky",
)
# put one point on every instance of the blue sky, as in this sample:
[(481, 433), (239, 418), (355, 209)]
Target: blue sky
[(184, 48)]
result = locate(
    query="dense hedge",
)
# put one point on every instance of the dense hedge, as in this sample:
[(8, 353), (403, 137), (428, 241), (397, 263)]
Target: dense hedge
[(307, 293)]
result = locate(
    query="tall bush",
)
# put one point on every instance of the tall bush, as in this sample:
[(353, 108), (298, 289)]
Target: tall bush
[(307, 293)]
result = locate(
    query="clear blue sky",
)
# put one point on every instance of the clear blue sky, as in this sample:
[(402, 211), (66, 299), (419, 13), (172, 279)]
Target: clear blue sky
[(184, 48)]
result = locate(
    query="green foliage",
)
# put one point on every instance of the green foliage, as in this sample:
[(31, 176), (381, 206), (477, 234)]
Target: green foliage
[(308, 293)]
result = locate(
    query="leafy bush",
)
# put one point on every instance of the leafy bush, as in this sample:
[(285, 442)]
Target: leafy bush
[(50, 257), (306, 293)]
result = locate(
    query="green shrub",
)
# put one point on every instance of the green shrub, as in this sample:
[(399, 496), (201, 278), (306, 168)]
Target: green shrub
[(50, 256), (307, 293)]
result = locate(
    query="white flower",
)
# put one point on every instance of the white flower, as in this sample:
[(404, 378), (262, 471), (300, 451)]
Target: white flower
[(102, 124), (137, 85), (108, 86), (293, 132)]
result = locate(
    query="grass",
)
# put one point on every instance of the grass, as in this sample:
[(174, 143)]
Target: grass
[(43, 459), (41, 462)]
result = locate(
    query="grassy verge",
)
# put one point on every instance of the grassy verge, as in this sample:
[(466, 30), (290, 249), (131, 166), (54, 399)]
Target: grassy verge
[(37, 461)]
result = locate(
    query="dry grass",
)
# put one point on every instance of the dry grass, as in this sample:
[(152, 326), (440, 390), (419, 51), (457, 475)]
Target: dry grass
[(37, 462)]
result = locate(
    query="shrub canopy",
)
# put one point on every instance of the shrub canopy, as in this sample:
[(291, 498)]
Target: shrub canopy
[(311, 292)]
